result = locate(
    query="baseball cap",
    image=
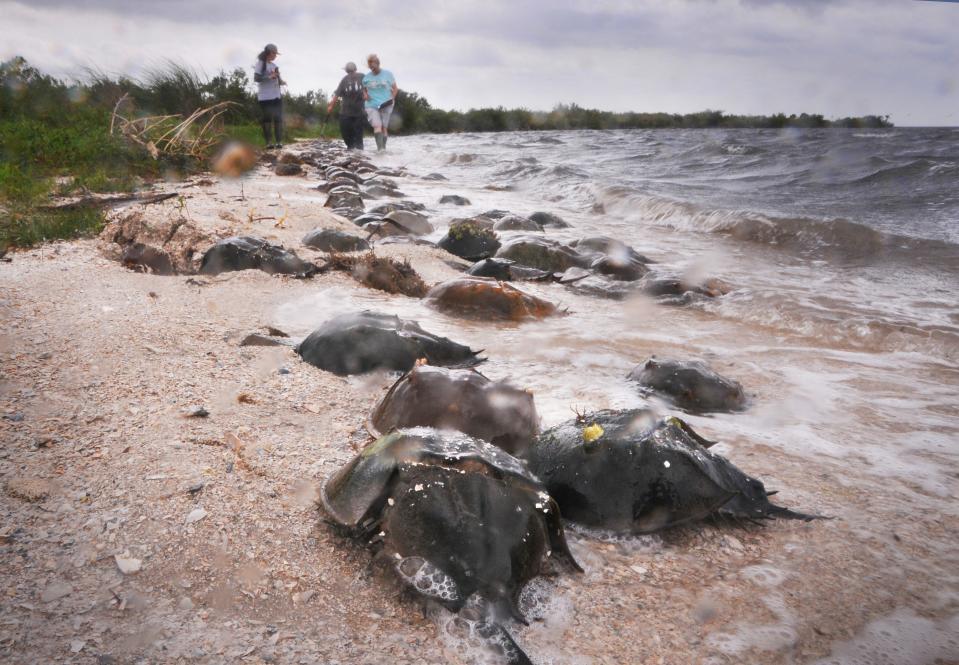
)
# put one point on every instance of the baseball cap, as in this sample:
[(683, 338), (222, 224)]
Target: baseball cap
[(271, 48), (350, 67)]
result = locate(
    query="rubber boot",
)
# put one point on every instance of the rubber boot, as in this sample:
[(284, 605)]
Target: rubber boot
[(380, 142)]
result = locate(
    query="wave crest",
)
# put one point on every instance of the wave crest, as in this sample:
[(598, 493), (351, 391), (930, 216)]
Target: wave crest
[(834, 239)]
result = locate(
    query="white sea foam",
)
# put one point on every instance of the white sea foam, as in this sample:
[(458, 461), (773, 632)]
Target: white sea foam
[(901, 638)]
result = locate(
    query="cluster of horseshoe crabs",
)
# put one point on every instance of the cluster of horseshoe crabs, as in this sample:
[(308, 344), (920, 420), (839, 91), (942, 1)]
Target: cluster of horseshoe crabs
[(463, 522), (458, 492)]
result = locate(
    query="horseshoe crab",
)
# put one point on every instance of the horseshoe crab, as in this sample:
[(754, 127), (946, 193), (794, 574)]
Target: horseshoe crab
[(542, 253), (459, 521), (361, 342), (487, 298), (462, 400), (549, 219), (409, 221), (248, 253), (138, 256), (331, 240), (613, 258), (380, 272), (344, 197), (691, 385), (470, 240), (600, 245), (631, 471), (679, 292), (505, 270), (455, 199), (517, 223)]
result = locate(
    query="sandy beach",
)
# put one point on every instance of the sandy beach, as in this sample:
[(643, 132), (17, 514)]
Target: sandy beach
[(133, 532)]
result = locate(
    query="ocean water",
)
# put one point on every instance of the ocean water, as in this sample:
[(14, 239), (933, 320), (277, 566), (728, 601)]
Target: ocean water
[(841, 249)]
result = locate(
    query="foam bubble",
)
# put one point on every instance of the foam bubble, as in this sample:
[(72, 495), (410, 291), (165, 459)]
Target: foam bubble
[(780, 635), (766, 576), (427, 579), (901, 638)]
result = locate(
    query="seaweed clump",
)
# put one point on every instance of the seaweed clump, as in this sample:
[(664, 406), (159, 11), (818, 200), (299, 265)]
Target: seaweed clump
[(381, 273)]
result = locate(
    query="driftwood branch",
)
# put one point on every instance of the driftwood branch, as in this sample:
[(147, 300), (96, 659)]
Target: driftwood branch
[(106, 201)]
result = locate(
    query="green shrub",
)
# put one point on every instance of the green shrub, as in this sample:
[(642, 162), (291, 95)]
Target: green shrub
[(27, 226)]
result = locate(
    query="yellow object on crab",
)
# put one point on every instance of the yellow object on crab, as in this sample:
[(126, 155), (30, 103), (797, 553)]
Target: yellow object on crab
[(592, 433)]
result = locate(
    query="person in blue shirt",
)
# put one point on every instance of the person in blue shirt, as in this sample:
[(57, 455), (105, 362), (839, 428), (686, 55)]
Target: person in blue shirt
[(379, 91)]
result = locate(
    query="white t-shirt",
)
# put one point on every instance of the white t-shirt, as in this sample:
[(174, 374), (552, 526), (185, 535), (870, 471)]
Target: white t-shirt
[(268, 88)]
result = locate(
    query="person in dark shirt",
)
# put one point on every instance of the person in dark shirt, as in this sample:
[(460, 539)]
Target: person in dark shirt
[(352, 114)]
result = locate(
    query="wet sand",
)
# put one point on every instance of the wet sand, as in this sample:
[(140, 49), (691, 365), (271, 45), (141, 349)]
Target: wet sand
[(100, 466)]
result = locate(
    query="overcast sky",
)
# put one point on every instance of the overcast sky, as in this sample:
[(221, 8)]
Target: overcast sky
[(836, 57)]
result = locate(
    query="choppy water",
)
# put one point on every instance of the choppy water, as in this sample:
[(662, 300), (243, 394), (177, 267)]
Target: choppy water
[(842, 248)]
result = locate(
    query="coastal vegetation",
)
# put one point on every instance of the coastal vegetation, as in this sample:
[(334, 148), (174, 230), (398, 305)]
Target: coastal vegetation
[(418, 116), (61, 138)]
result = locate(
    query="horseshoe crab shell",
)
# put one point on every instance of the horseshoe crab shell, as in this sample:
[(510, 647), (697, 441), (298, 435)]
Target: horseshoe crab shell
[(691, 385), (248, 253), (460, 522), (631, 471), (462, 400), (361, 342), (488, 298), (542, 253)]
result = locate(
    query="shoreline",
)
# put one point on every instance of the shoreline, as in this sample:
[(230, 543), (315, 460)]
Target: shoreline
[(101, 365)]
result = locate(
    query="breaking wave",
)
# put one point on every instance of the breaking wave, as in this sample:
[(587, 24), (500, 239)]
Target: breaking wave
[(916, 169), (834, 239)]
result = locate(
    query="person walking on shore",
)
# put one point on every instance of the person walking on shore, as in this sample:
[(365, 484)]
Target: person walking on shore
[(352, 99), (267, 77), (379, 90)]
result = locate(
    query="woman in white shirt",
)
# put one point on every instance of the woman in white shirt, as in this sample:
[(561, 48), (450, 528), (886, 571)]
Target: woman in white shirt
[(267, 77)]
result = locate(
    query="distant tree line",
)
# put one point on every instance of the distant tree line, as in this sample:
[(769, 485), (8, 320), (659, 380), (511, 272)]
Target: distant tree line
[(417, 115)]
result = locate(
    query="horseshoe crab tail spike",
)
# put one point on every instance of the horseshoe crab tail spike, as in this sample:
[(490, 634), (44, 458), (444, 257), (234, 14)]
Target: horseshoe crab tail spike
[(787, 514), (475, 620), (557, 537), (503, 642)]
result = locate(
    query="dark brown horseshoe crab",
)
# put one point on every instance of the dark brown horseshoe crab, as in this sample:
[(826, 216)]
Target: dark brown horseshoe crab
[(462, 400), (487, 298), (459, 521)]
